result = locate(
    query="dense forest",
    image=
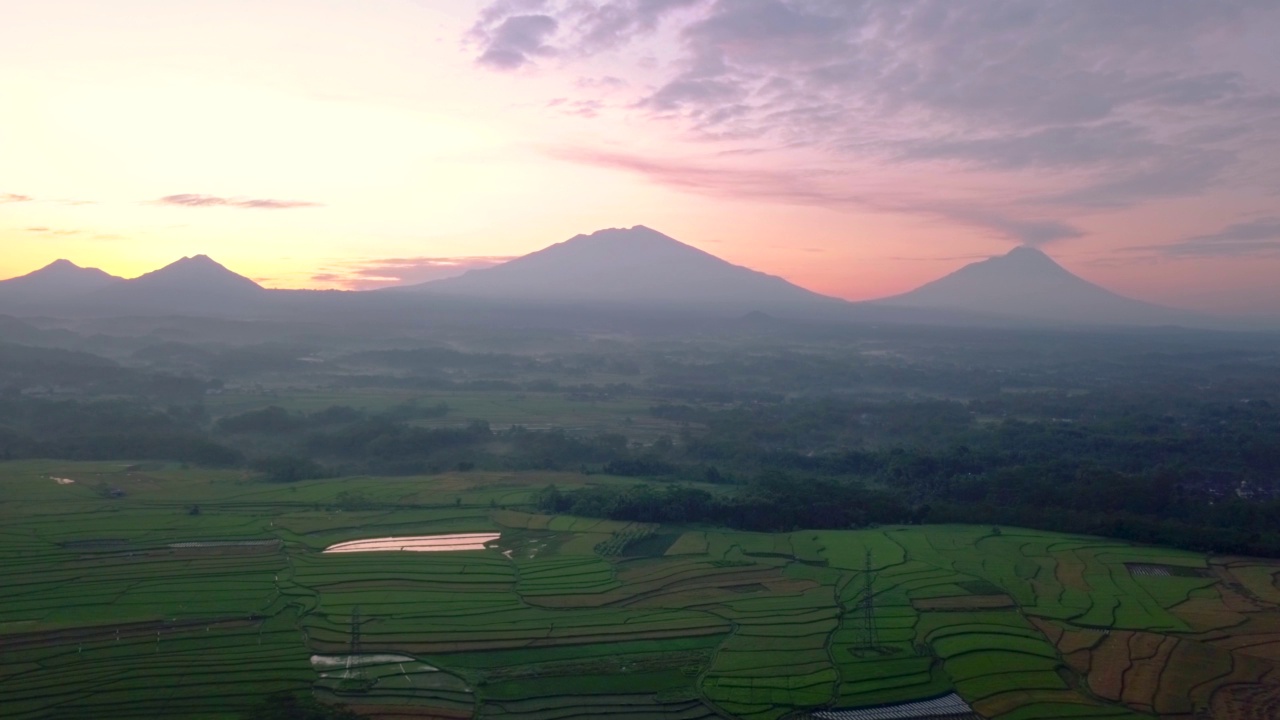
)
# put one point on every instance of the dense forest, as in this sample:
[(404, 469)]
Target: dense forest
[(1169, 438)]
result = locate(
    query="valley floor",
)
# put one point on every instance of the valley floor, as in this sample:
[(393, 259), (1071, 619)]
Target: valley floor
[(155, 591)]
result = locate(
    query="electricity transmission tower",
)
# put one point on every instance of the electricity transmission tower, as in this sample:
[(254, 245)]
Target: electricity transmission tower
[(867, 606), (353, 671)]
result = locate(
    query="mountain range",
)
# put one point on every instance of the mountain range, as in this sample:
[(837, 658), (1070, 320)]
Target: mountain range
[(609, 270), (55, 282)]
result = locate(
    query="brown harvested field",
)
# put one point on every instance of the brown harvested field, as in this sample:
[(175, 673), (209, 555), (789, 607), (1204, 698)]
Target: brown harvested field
[(1258, 580), (1257, 636), (1080, 661), (1205, 614), (997, 705), (1143, 645), (1235, 595), (1257, 702), (1167, 676), (1080, 640), (1190, 677), (1051, 630), (1070, 641), (964, 602), (1244, 675), (1266, 647), (1110, 662), (1142, 679)]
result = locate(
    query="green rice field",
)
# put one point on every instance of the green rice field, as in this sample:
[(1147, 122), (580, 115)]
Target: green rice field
[(162, 592)]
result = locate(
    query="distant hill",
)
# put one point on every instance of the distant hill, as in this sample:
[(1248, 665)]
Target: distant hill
[(610, 278), (197, 274), (631, 267), (1028, 284), (191, 285), (197, 285), (53, 283)]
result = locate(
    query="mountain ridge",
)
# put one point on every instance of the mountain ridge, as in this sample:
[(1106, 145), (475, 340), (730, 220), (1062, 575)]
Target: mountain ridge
[(617, 271), (203, 270), (1027, 283), (54, 282), (628, 266)]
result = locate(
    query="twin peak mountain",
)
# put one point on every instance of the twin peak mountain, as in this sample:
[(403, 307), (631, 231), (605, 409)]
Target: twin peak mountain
[(635, 267)]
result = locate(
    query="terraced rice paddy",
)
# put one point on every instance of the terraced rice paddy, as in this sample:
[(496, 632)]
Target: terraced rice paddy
[(134, 607)]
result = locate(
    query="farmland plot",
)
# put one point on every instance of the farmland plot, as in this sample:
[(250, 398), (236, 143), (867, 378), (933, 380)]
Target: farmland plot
[(125, 607)]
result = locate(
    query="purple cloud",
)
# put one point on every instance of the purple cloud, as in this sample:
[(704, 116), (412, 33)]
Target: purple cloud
[(392, 272), (513, 41), (512, 33), (825, 189), (1055, 108), (1250, 238)]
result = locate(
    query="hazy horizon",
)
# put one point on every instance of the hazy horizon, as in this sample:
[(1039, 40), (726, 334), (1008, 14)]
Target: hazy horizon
[(856, 150), (634, 275)]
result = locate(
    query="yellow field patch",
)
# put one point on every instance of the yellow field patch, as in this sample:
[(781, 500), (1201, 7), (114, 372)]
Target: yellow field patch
[(1258, 580), (1204, 614), (690, 543), (1149, 654)]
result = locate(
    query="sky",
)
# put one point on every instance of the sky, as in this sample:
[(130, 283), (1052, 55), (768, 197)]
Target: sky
[(858, 149)]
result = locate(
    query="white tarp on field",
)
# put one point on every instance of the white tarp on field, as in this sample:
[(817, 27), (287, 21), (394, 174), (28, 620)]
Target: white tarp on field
[(342, 661), (944, 706), (419, 543)]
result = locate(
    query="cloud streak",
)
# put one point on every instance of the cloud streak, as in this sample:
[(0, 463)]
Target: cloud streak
[(825, 189), (1252, 238), (391, 272), (14, 198), (51, 231), (512, 34), (191, 200)]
